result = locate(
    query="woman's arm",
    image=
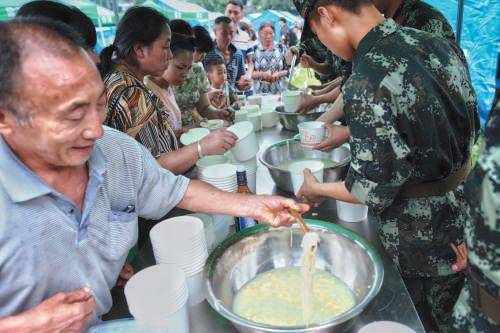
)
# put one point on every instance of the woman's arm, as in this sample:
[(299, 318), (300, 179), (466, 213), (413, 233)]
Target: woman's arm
[(207, 110), (335, 113)]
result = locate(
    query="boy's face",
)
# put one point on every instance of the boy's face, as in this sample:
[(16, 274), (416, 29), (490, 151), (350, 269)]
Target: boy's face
[(331, 28), (217, 75)]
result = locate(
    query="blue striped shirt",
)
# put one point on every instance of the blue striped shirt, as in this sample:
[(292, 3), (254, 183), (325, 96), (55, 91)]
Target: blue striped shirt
[(47, 245)]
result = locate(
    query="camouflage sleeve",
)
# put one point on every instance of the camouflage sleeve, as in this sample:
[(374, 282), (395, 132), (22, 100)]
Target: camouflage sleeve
[(379, 165), (439, 27)]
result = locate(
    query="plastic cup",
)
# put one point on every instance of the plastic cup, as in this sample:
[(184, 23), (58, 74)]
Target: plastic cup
[(350, 212), (246, 146), (291, 100), (311, 133), (297, 172)]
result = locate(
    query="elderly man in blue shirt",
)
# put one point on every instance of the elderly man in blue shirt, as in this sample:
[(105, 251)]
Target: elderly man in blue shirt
[(71, 190)]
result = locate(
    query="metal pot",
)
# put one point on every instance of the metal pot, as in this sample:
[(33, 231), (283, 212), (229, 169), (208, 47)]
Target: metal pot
[(290, 121), (289, 150), (255, 250)]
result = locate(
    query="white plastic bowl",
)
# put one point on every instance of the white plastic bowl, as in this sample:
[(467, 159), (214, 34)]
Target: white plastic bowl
[(193, 135), (240, 115), (297, 172), (291, 100), (219, 172), (256, 119), (247, 146), (195, 288), (350, 212), (269, 118), (385, 326), (311, 133)]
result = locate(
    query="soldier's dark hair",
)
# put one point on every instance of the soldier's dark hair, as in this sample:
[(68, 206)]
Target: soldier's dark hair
[(267, 25), (212, 62), (72, 16), (238, 3), (139, 25), (350, 5), (204, 41), (223, 20), (22, 37)]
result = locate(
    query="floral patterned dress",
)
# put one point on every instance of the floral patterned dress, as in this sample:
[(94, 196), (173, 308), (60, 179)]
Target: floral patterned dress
[(272, 60)]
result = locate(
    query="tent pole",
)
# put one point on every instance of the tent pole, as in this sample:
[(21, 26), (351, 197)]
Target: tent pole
[(460, 17), (116, 10)]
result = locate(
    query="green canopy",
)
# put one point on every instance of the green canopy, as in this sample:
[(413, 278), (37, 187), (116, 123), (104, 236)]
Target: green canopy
[(99, 15)]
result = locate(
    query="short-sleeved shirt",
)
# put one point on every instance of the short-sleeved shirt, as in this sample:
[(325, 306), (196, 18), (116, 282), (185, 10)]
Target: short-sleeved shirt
[(48, 245), (243, 42), (272, 60), (188, 94), (135, 110), (411, 109), (482, 230), (235, 66)]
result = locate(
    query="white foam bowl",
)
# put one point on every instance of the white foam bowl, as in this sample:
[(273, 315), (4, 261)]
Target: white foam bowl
[(240, 115), (193, 135), (246, 146), (350, 212), (291, 100), (256, 119), (157, 292), (297, 172), (311, 133)]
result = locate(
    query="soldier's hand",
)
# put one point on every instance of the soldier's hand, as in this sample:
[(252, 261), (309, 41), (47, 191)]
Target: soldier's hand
[(309, 190), (461, 262), (306, 61), (336, 135), (307, 103), (294, 50)]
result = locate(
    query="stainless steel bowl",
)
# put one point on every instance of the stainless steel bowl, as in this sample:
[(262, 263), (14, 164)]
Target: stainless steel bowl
[(290, 121), (289, 150), (248, 253)]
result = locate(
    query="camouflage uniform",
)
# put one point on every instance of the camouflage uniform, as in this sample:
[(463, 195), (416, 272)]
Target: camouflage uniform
[(411, 110), (482, 231)]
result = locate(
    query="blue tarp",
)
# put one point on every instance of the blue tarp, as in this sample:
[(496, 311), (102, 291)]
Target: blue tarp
[(480, 41), (273, 16)]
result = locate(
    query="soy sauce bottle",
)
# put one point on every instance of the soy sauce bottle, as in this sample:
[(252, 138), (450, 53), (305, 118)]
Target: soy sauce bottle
[(243, 222)]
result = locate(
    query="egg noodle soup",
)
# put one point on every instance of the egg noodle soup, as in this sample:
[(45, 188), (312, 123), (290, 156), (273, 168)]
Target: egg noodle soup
[(294, 296)]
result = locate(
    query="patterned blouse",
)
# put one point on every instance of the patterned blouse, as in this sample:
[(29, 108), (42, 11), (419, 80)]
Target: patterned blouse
[(272, 60), (135, 110), (188, 95), (167, 97)]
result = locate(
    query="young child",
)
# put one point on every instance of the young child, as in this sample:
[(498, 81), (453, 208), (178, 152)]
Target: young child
[(217, 75)]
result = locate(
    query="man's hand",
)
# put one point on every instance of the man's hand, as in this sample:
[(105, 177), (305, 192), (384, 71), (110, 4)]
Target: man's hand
[(294, 50), (336, 135), (63, 312), (226, 113), (307, 103), (244, 83), (218, 142), (309, 190), (125, 275), (460, 263), (306, 61), (273, 210)]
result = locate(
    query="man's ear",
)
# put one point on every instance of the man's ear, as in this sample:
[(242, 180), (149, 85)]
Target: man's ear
[(7, 121), (325, 15)]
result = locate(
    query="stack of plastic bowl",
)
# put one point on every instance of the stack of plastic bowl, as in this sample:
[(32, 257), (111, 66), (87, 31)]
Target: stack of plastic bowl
[(208, 224), (193, 135), (350, 212), (246, 146), (181, 241), (157, 298), (297, 172), (209, 161), (222, 176)]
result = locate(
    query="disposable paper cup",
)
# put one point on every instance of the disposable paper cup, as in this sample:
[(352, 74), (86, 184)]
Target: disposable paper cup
[(193, 135), (157, 295), (351, 212), (385, 326), (254, 100), (291, 100), (311, 133), (256, 119), (240, 115), (195, 288), (246, 147), (297, 172)]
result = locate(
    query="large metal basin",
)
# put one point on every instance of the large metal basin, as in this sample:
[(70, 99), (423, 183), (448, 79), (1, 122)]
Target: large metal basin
[(289, 150), (290, 120), (248, 253)]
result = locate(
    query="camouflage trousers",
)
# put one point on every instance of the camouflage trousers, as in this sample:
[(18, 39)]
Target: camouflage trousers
[(434, 298), (468, 319)]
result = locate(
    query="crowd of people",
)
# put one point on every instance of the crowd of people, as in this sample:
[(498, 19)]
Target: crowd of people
[(72, 190)]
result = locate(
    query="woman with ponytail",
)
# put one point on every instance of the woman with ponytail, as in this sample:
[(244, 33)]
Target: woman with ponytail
[(141, 48), (191, 93)]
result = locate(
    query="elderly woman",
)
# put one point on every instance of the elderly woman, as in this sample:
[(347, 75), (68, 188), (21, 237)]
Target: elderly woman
[(270, 68), (142, 47), (192, 93)]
